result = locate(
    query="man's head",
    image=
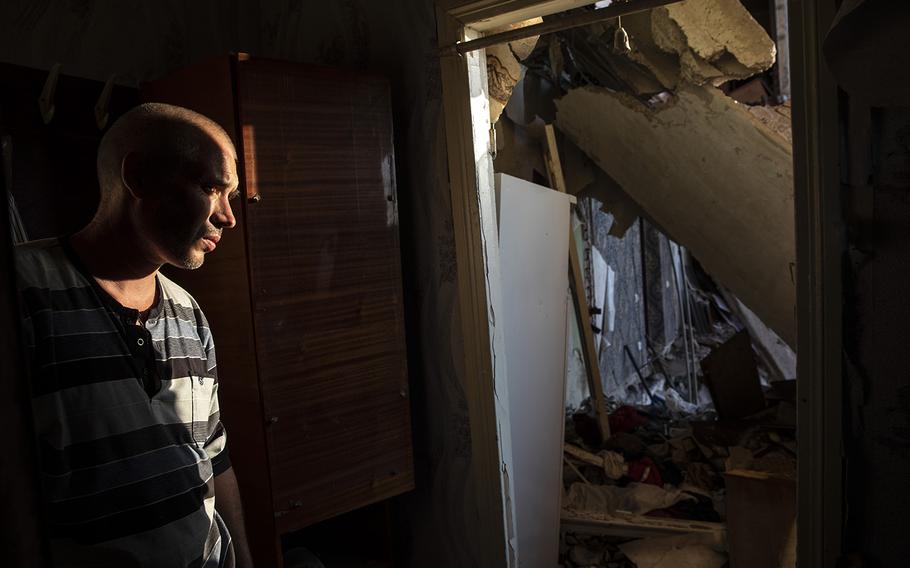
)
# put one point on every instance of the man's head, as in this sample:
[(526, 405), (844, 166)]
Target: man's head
[(167, 174)]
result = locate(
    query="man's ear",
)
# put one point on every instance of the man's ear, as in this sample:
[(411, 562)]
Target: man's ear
[(132, 174)]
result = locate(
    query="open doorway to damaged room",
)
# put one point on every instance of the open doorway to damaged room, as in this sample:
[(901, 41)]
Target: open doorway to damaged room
[(623, 192)]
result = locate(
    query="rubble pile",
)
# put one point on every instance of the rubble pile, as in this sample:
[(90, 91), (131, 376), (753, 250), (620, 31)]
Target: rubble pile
[(592, 550), (662, 477)]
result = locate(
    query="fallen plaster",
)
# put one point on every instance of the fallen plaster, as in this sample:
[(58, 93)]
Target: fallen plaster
[(645, 51), (503, 68), (712, 175), (716, 40)]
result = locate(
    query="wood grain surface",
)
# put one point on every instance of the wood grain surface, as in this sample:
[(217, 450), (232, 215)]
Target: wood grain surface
[(326, 286)]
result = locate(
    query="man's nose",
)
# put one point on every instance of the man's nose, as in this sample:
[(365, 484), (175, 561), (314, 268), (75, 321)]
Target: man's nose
[(222, 216)]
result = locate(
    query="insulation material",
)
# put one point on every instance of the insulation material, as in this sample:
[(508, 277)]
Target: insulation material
[(717, 180), (716, 40)]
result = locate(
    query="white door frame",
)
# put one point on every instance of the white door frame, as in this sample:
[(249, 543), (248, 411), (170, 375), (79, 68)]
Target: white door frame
[(467, 123), (819, 244)]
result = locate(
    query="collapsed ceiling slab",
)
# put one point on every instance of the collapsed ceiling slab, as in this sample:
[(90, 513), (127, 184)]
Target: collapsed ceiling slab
[(666, 144), (716, 40), (713, 175)]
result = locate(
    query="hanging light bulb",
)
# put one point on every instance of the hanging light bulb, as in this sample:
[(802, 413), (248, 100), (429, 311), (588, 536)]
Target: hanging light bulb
[(621, 39)]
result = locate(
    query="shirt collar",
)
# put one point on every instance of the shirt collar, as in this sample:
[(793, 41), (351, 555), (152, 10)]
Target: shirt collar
[(130, 313)]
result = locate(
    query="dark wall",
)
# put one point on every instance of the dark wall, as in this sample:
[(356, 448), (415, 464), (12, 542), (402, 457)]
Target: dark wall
[(867, 50), (877, 332), (52, 165)]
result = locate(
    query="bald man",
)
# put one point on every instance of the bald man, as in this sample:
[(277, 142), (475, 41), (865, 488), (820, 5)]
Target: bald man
[(133, 455)]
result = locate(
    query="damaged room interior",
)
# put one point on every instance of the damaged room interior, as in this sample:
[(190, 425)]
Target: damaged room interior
[(455, 283)]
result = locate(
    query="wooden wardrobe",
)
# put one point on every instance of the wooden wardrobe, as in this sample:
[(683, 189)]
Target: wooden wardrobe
[(304, 295)]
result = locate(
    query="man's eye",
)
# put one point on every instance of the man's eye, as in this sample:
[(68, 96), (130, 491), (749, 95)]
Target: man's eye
[(209, 189)]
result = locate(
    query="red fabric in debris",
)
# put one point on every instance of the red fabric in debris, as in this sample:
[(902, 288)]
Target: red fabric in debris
[(626, 419), (644, 470)]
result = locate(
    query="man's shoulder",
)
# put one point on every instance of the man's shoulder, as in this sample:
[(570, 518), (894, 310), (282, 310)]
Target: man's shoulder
[(39, 249), (43, 263), (182, 305), (177, 294)]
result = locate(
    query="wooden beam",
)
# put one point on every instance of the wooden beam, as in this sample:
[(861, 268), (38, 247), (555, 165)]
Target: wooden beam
[(583, 455), (636, 526), (579, 297), (556, 25), (485, 15)]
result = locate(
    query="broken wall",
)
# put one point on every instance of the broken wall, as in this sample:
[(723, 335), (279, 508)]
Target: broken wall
[(141, 41), (623, 303), (715, 175)]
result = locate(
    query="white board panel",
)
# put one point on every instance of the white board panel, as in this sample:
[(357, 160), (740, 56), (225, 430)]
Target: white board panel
[(534, 245)]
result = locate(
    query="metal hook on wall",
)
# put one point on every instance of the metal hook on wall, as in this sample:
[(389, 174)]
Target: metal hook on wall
[(621, 38), (101, 107), (46, 102)]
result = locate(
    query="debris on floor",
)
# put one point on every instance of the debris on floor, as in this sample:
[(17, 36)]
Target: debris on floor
[(676, 486), (592, 550), (681, 551)]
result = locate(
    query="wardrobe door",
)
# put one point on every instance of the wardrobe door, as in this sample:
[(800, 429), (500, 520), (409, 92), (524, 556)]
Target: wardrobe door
[(326, 287)]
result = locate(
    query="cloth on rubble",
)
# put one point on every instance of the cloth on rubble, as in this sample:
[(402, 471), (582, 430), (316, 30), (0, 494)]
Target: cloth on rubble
[(626, 419), (699, 508), (645, 470), (681, 551), (634, 498), (677, 406), (628, 444), (614, 464)]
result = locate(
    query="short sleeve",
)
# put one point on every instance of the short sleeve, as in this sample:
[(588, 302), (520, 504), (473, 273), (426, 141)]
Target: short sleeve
[(216, 443)]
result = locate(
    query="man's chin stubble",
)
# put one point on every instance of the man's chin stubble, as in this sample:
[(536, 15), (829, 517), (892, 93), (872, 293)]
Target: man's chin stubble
[(192, 264), (189, 262)]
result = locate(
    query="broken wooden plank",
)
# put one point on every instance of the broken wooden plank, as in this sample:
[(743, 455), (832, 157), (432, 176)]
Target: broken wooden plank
[(579, 297), (613, 464), (636, 526), (583, 455)]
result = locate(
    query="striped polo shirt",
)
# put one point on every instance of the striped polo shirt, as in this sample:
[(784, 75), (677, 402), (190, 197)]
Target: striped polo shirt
[(126, 417)]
